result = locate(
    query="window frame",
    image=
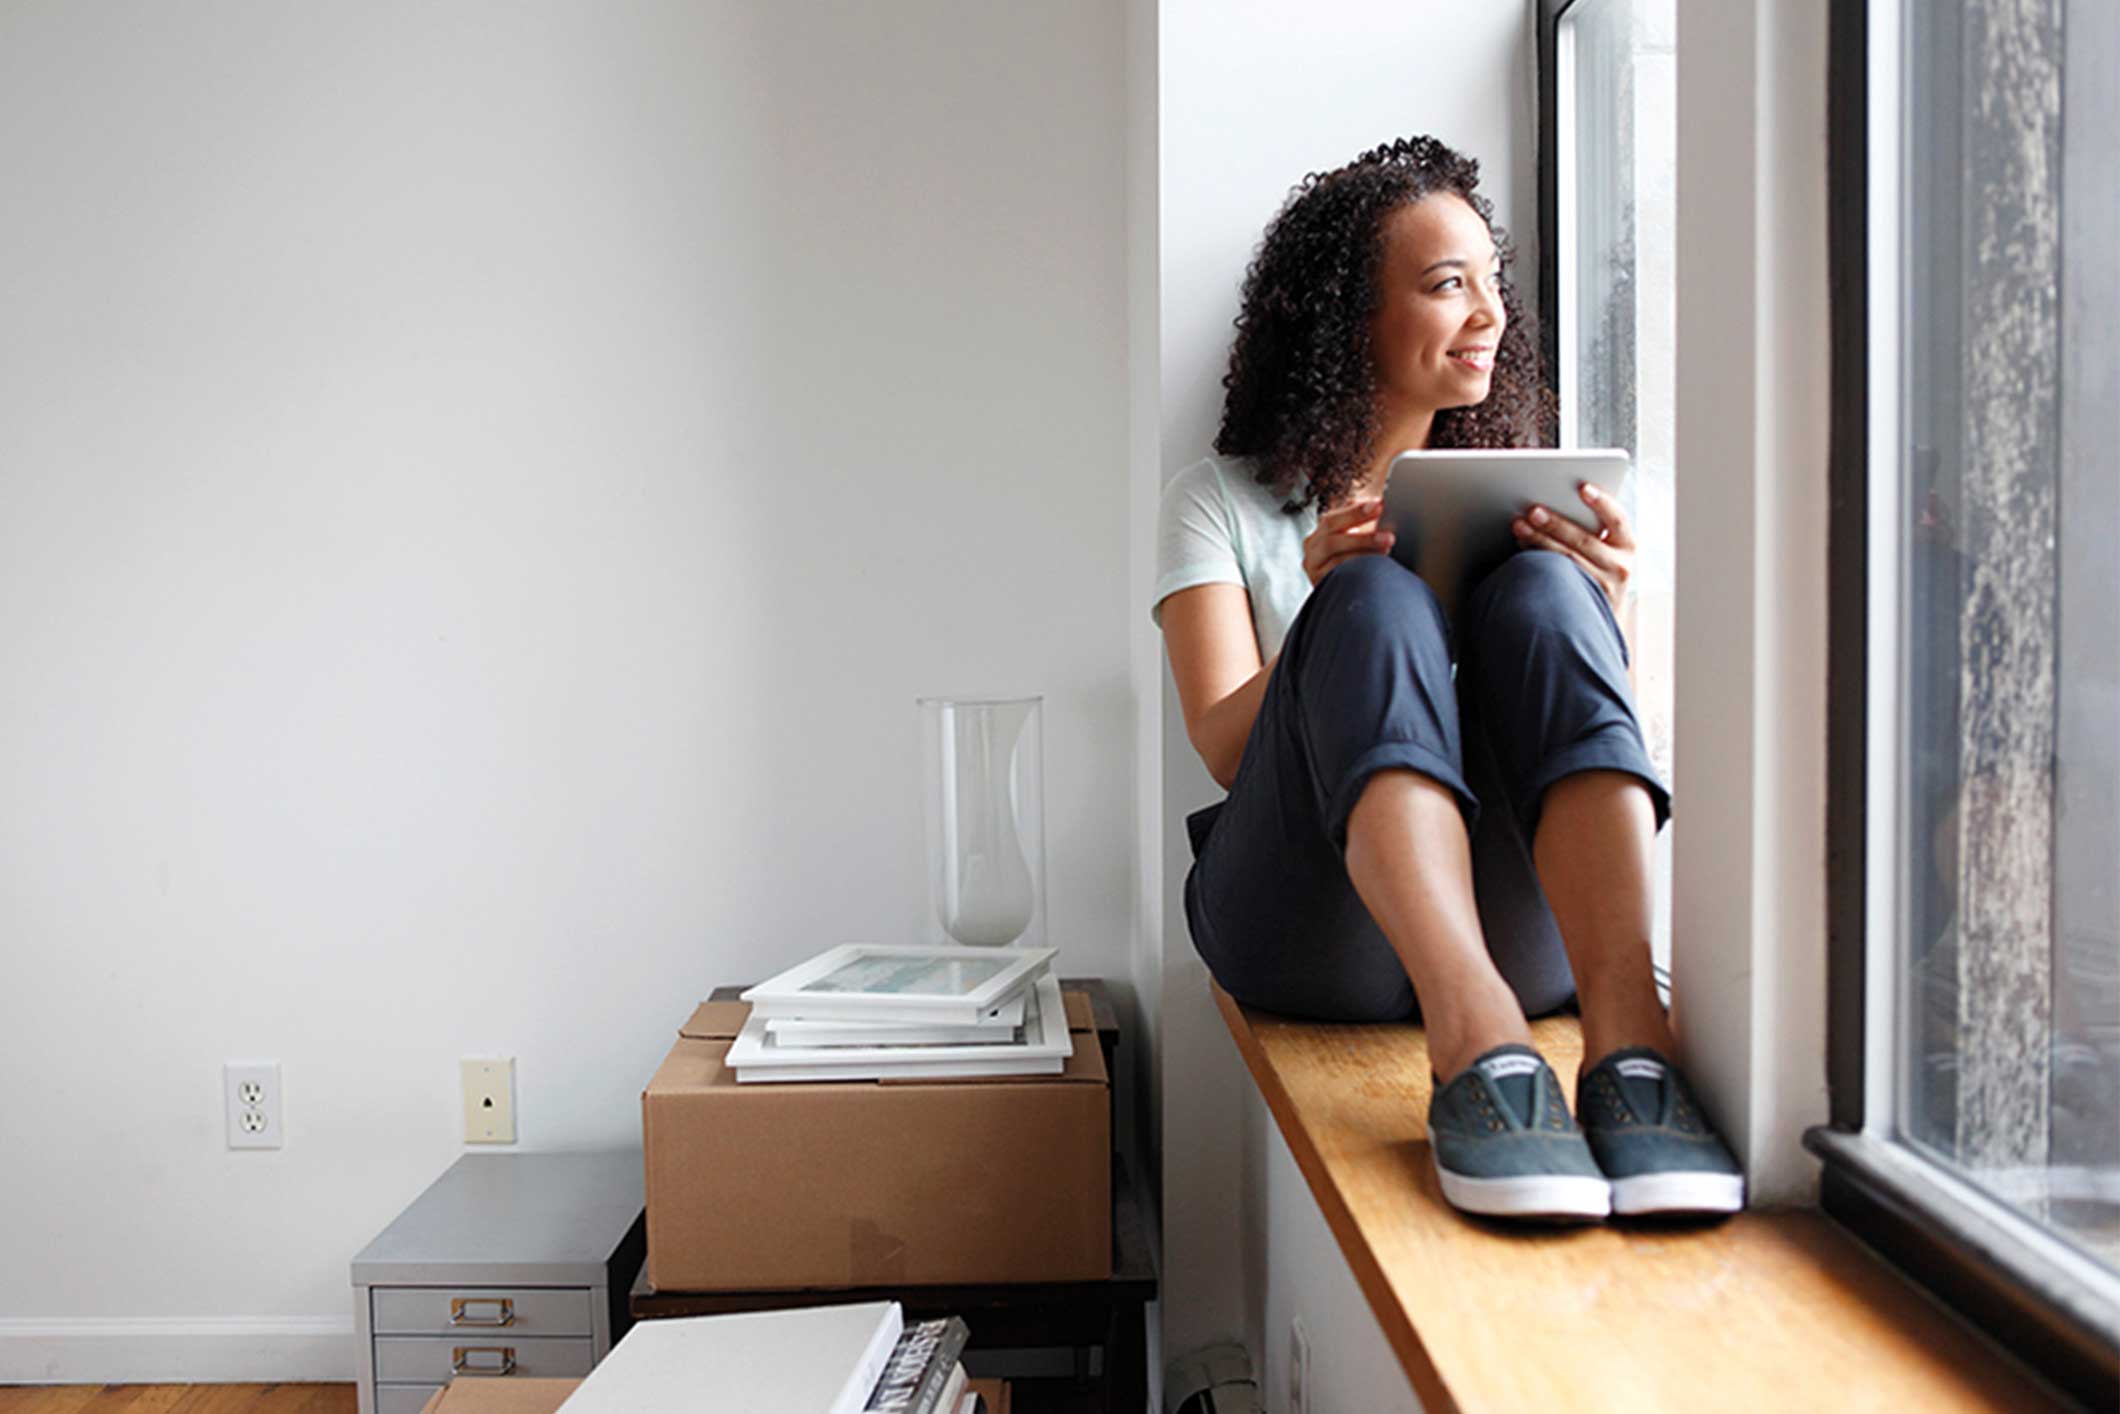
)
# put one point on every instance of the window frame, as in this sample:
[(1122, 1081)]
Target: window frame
[(1548, 23), (2026, 1288)]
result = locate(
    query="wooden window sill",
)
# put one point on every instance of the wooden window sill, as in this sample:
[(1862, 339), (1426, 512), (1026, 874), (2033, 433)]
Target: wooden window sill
[(1768, 1309)]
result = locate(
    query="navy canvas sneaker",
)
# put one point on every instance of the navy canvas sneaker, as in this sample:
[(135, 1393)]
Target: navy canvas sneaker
[(1653, 1140), (1505, 1146)]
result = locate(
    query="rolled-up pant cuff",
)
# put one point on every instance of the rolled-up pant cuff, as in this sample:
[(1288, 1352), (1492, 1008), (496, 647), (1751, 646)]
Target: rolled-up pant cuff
[(1390, 755), (1616, 747)]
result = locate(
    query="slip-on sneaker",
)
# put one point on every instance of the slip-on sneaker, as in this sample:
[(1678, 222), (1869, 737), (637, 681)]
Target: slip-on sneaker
[(1505, 1146), (1652, 1139)]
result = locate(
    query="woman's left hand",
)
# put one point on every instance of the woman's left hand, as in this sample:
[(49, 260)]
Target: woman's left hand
[(1607, 553)]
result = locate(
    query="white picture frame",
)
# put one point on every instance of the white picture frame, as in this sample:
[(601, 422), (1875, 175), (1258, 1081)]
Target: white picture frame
[(896, 982), (1044, 1049), (997, 1024), (793, 1031)]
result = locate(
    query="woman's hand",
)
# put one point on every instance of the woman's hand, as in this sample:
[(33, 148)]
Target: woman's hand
[(1347, 531), (1607, 553)]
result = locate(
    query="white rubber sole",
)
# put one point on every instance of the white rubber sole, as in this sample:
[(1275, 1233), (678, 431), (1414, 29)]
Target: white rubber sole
[(1678, 1193), (1554, 1197)]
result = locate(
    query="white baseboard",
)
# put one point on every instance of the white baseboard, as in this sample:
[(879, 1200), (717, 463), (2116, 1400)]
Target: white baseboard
[(177, 1350)]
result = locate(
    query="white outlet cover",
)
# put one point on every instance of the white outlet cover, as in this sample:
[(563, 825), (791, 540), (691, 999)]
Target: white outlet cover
[(489, 1100), (250, 1096)]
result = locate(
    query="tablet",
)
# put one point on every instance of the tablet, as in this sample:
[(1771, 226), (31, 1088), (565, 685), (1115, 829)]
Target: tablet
[(1452, 509)]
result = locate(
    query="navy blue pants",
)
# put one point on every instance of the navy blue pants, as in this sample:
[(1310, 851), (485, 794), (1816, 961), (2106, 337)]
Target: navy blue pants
[(1365, 684)]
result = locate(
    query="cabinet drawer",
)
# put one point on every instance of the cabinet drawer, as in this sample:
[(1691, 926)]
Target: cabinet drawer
[(433, 1359), (481, 1310), (403, 1399)]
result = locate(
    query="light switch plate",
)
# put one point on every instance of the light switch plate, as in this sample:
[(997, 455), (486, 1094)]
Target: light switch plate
[(489, 1100)]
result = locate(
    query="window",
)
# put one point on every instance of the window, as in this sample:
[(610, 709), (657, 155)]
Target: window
[(1608, 288), (1976, 808)]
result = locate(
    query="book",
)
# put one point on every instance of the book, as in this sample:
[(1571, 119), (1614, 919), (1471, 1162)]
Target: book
[(953, 1391), (875, 982), (758, 1055), (817, 1360), (914, 1377)]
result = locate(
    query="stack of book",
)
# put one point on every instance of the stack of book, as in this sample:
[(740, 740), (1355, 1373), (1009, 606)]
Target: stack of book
[(858, 1359), (869, 1011), (924, 1375)]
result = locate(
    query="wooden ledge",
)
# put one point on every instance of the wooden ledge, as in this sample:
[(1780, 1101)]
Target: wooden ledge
[(1768, 1309)]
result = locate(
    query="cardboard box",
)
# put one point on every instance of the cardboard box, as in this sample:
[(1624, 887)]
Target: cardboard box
[(775, 1187), (500, 1396)]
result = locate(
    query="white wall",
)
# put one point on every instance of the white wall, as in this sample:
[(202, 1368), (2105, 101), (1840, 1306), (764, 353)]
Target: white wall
[(1252, 97), (480, 488), (1145, 648), (1300, 1273)]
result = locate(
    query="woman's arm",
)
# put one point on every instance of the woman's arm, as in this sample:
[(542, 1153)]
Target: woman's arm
[(1214, 656), (1214, 644)]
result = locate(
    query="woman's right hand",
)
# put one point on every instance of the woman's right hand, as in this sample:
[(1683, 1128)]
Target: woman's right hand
[(1342, 533)]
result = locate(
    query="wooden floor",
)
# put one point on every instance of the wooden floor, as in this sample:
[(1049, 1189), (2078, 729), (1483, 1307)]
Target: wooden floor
[(176, 1399)]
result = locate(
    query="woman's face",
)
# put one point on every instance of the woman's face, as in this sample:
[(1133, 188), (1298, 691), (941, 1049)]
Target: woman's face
[(1439, 307)]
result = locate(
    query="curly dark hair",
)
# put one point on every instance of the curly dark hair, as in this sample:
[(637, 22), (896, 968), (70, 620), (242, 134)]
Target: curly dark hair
[(1301, 387)]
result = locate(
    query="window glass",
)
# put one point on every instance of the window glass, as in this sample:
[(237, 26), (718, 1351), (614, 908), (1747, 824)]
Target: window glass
[(1618, 320), (2009, 1039)]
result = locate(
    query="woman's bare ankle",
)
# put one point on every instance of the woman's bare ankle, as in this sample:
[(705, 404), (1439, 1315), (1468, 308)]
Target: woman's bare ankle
[(1468, 1032), (1641, 1024), (1620, 1006)]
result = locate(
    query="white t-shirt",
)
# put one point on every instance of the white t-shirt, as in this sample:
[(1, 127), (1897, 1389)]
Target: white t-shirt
[(1218, 525)]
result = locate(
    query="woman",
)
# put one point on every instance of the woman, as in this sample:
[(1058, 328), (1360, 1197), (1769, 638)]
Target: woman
[(1398, 826)]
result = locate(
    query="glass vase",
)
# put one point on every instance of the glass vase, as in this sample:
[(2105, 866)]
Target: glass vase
[(985, 820)]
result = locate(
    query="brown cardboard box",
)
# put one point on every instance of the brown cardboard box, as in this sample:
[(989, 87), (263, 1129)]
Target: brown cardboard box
[(495, 1396), (770, 1187)]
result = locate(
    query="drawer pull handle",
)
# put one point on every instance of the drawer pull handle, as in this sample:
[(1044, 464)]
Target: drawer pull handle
[(462, 1314), (463, 1360)]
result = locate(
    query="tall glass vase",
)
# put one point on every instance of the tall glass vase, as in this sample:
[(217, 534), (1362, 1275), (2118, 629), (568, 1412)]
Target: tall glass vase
[(985, 820)]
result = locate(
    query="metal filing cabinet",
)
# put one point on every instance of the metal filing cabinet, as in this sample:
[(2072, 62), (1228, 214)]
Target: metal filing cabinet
[(509, 1264)]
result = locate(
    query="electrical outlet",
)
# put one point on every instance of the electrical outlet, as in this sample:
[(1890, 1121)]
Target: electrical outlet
[(489, 1101), (250, 1092), (1298, 1367)]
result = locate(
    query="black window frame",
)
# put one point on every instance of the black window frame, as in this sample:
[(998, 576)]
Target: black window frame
[(1876, 1191), (1549, 187)]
